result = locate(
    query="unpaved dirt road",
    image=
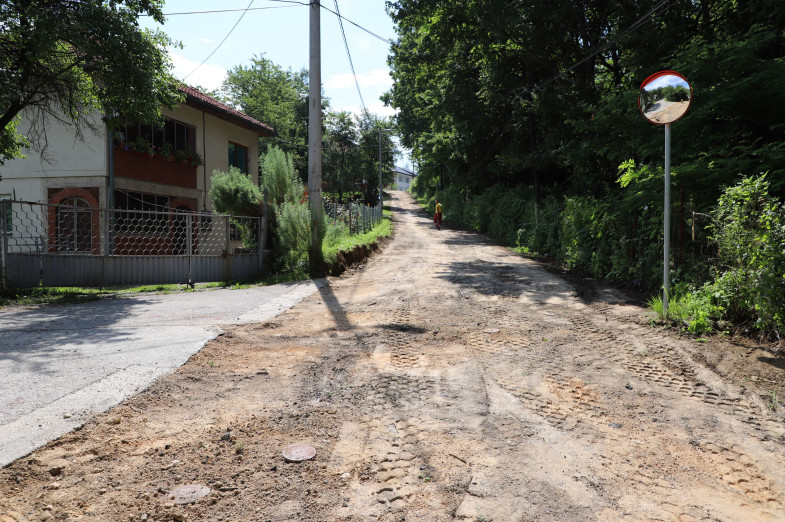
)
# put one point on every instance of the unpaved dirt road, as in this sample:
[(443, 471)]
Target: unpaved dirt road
[(447, 379)]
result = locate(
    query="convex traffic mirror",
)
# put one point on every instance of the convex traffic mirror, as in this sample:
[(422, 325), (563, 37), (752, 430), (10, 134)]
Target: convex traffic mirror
[(665, 97)]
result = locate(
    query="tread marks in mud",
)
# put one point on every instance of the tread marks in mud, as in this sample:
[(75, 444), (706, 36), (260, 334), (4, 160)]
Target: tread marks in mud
[(568, 400), (398, 336), (659, 365), (395, 441), (485, 342), (740, 472)]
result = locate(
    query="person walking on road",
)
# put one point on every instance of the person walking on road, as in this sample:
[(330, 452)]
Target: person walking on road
[(437, 217)]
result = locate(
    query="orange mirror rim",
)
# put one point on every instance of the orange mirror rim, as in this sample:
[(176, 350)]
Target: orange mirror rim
[(654, 77)]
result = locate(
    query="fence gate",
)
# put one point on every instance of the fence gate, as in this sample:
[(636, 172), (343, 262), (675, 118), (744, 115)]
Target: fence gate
[(73, 244)]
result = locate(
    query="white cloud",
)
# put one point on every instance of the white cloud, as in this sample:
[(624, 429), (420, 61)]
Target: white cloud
[(375, 78), (208, 76)]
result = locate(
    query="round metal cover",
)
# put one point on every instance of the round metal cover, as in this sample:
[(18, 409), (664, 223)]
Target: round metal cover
[(189, 493), (298, 452)]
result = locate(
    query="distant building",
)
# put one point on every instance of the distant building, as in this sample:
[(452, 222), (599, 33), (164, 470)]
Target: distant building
[(403, 178)]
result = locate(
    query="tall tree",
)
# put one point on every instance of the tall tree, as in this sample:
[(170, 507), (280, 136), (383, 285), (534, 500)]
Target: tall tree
[(277, 97), (66, 59)]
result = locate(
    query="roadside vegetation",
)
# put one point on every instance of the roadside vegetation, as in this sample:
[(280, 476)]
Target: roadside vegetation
[(524, 133)]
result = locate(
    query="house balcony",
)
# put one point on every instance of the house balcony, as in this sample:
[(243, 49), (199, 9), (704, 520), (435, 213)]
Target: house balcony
[(153, 168)]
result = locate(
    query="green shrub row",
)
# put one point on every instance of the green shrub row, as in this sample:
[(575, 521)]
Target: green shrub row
[(727, 264)]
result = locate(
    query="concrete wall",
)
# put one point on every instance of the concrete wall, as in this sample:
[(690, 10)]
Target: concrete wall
[(66, 161), (70, 163), (213, 135)]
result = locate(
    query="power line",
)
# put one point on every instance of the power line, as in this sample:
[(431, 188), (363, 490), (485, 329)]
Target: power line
[(222, 41), (635, 25), (382, 38), (349, 55), (292, 2)]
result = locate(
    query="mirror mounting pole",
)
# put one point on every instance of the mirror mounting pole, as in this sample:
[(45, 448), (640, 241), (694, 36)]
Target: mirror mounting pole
[(667, 223)]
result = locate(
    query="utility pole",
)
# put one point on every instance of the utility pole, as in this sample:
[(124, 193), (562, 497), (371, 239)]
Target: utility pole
[(381, 198), (316, 256)]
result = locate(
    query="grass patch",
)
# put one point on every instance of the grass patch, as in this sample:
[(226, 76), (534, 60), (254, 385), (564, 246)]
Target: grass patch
[(691, 309), (49, 295), (337, 238)]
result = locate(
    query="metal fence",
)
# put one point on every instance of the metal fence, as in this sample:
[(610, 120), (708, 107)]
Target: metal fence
[(357, 217), (74, 244)]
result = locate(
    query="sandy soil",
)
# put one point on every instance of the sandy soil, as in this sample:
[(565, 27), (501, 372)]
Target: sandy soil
[(446, 379), (666, 112)]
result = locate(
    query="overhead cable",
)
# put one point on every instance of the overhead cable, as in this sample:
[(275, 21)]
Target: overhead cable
[(349, 55), (222, 41)]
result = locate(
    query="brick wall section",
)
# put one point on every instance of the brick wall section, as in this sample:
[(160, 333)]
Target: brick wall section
[(143, 167), (87, 195)]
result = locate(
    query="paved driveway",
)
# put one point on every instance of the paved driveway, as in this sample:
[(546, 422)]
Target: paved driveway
[(61, 364)]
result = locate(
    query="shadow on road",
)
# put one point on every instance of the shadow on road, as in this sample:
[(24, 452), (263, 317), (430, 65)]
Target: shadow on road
[(32, 338), (500, 279), (342, 321)]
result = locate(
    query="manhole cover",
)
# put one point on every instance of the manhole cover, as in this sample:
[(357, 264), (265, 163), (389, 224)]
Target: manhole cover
[(299, 452), (188, 494)]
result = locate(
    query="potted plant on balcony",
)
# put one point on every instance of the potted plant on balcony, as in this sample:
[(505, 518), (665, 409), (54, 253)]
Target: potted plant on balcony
[(141, 146), (167, 151)]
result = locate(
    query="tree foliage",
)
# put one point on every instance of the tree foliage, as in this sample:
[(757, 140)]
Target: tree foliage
[(235, 193), (291, 217), (277, 97), (351, 150), (512, 91), (63, 60), (523, 119)]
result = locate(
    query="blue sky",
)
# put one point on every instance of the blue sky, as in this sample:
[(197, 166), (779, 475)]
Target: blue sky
[(280, 32), (664, 81)]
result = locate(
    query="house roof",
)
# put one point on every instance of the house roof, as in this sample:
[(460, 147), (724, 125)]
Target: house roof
[(198, 99)]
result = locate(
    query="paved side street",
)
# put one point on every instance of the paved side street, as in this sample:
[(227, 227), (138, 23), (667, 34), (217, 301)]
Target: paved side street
[(61, 364)]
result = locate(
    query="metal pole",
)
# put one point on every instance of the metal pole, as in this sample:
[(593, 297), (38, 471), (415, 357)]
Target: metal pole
[(316, 257), (262, 243), (109, 216), (189, 240), (667, 224), (3, 243), (380, 164)]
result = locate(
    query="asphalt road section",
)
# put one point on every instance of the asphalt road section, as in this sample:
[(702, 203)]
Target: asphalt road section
[(61, 364)]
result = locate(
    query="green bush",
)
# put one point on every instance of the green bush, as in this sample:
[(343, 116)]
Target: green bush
[(279, 178), (749, 233), (293, 235), (234, 193), (291, 217)]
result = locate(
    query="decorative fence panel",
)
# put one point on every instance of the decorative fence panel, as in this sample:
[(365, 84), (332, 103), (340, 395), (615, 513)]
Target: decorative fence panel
[(358, 218), (76, 245)]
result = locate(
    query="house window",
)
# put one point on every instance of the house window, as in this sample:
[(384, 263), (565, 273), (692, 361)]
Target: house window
[(9, 215), (74, 225), (145, 213), (238, 157), (178, 135)]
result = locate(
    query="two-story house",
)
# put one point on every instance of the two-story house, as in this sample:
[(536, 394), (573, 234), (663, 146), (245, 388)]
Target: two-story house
[(140, 167)]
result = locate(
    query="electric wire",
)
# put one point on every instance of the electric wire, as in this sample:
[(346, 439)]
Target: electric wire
[(635, 25), (222, 41), (349, 55), (293, 3), (213, 11), (382, 38)]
